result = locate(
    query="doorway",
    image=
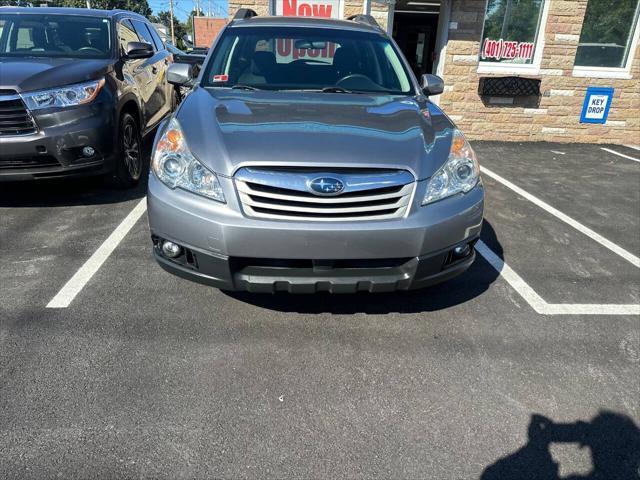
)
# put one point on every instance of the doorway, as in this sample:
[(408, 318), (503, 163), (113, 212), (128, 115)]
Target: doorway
[(415, 29)]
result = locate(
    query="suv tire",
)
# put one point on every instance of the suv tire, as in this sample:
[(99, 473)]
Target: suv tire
[(128, 153)]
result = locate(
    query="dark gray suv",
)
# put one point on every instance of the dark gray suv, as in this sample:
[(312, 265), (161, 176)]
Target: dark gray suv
[(309, 158), (78, 90)]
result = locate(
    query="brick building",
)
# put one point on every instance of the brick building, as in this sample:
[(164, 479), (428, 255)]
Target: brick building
[(206, 29), (513, 69)]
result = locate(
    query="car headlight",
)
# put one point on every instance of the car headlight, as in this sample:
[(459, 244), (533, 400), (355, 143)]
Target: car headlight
[(175, 166), (68, 96), (459, 174)]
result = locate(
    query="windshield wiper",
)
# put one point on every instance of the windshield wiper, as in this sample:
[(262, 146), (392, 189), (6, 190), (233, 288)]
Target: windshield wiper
[(244, 87), (336, 90)]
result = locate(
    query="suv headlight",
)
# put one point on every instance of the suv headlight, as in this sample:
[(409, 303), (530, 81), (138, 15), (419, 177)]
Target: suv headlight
[(459, 174), (68, 96), (176, 167)]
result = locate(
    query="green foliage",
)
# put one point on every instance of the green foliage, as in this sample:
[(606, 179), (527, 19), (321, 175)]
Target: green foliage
[(189, 25), (608, 22), (138, 6), (515, 20), (179, 28)]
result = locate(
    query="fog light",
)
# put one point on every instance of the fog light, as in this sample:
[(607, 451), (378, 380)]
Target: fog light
[(171, 249), (462, 251), (88, 152)]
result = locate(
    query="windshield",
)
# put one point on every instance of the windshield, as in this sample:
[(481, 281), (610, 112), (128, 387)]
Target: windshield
[(295, 58), (38, 35)]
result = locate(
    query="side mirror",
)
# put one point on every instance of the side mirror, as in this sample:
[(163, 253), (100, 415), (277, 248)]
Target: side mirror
[(432, 84), (137, 50), (180, 74)]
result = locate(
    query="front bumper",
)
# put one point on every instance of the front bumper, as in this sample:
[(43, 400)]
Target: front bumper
[(273, 276), (223, 248), (55, 150)]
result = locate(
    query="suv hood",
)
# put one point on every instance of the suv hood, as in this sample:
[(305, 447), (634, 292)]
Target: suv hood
[(228, 129), (30, 74)]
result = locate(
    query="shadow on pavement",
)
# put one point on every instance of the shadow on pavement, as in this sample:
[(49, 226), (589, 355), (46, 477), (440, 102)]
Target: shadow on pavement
[(614, 441), (459, 290)]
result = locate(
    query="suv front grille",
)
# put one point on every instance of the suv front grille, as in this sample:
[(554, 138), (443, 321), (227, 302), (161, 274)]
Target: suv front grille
[(15, 119), (284, 194)]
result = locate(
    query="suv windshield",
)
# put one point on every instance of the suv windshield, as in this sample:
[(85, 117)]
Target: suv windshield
[(300, 58), (38, 35)]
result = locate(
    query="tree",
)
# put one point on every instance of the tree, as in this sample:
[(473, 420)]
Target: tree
[(138, 6), (608, 22), (179, 28), (189, 25), (512, 19)]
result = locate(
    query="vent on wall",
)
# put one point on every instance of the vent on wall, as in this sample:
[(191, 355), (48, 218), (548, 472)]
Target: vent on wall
[(509, 87)]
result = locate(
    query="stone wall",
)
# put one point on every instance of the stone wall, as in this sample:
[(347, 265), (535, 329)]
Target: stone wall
[(557, 117)]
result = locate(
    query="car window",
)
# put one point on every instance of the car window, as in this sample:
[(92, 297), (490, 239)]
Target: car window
[(156, 38), (126, 34), (54, 35), (143, 33), (294, 58)]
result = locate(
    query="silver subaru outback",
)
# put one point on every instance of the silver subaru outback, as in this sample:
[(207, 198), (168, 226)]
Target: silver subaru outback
[(306, 158)]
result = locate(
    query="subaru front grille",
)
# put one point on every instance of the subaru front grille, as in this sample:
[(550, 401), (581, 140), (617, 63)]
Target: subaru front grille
[(322, 194)]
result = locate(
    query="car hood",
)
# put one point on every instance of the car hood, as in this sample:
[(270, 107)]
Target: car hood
[(30, 74), (229, 129)]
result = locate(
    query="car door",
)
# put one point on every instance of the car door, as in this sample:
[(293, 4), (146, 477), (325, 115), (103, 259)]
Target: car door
[(137, 72), (169, 58), (160, 101)]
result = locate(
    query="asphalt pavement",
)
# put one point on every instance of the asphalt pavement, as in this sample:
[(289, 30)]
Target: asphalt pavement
[(527, 366)]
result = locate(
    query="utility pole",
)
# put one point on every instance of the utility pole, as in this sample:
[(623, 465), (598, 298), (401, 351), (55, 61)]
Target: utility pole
[(209, 7), (193, 21), (173, 35), (88, 3)]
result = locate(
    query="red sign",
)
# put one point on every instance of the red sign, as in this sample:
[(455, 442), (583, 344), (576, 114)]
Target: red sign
[(507, 50), (308, 8), (291, 8), (286, 51)]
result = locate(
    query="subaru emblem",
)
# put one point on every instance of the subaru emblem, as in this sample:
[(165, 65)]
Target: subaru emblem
[(326, 186)]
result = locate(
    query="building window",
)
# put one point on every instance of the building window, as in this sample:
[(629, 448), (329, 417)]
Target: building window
[(607, 34), (511, 31)]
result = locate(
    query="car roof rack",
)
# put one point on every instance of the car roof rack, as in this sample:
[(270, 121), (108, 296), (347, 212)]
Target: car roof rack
[(366, 19), (244, 13)]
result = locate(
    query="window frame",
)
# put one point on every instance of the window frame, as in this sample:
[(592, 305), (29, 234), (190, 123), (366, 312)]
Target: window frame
[(156, 37), (121, 23), (532, 68), (613, 72), (140, 28)]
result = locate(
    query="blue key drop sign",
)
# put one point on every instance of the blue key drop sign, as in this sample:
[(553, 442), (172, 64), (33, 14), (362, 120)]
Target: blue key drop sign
[(596, 105)]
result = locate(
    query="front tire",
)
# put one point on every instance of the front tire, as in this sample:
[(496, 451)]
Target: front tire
[(128, 154)]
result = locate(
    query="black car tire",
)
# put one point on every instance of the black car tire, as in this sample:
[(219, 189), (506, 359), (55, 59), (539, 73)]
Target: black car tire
[(129, 161)]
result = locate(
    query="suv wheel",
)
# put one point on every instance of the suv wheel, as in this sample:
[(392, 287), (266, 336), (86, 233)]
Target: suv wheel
[(129, 153)]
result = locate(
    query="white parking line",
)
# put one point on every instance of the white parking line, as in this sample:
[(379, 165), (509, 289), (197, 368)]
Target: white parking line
[(538, 303), (620, 154), (75, 285), (634, 147), (628, 256)]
